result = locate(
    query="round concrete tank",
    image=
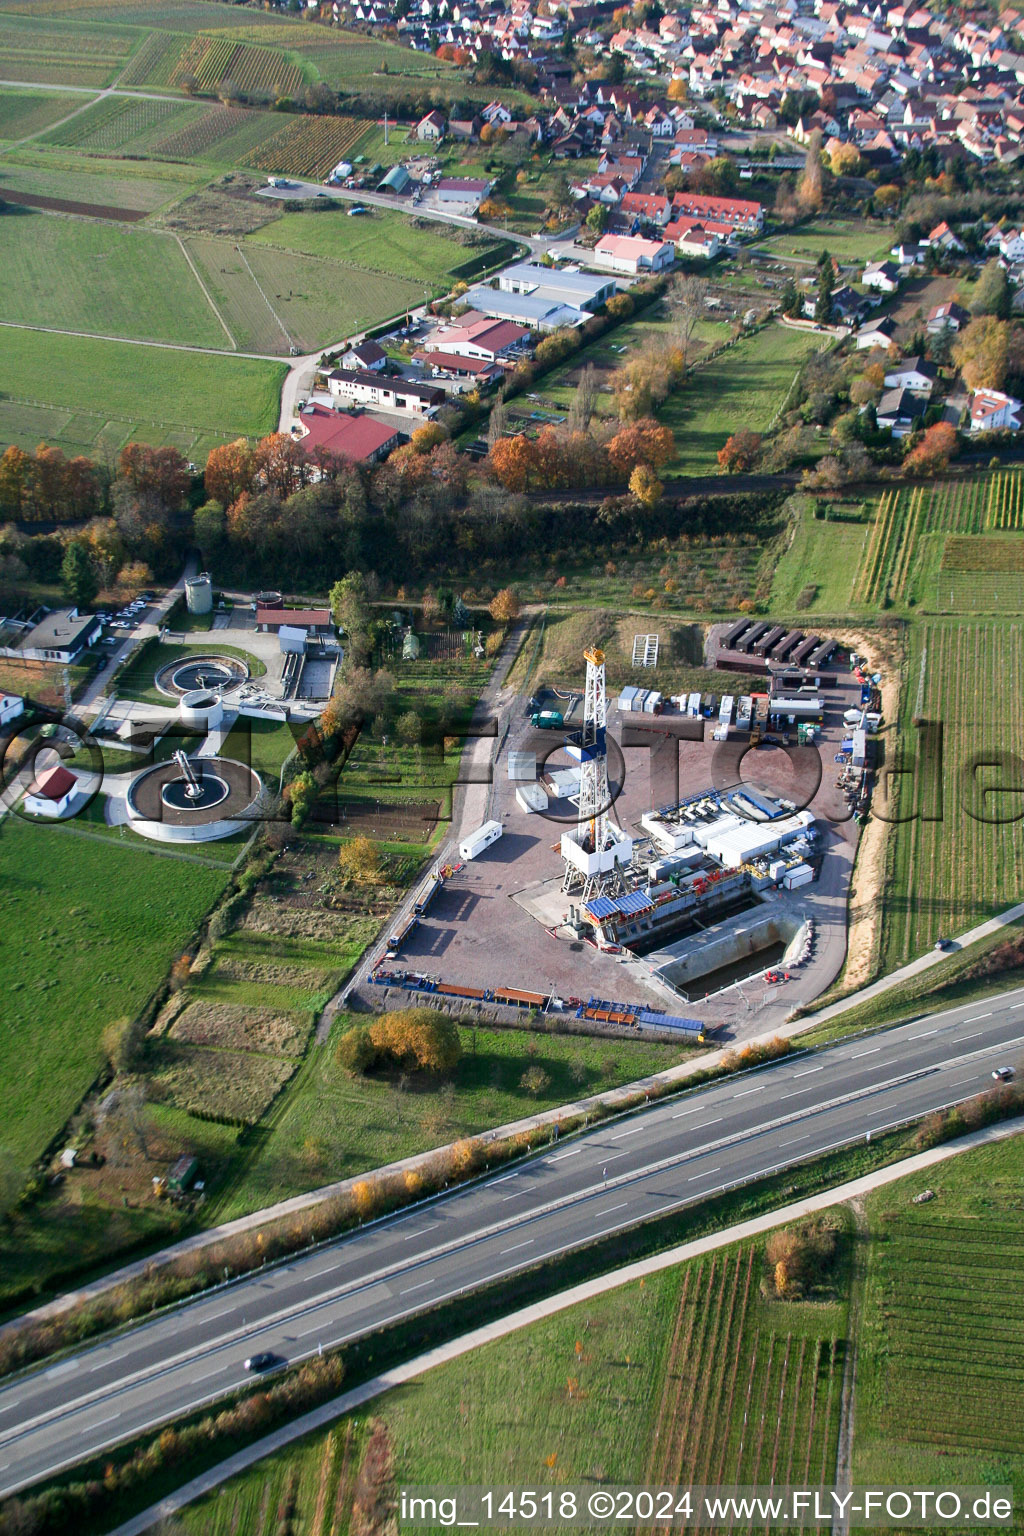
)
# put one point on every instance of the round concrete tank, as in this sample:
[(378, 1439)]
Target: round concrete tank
[(200, 709), (199, 593)]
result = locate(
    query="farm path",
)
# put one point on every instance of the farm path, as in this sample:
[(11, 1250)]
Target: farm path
[(133, 341), (206, 292)]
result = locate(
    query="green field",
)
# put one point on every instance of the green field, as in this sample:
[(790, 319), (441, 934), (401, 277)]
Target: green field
[(145, 393), (815, 573), (137, 679), (380, 241), (89, 930), (104, 278), (272, 299), (960, 857), (139, 186), (124, 125), (26, 112), (845, 239), (939, 1367), (741, 390)]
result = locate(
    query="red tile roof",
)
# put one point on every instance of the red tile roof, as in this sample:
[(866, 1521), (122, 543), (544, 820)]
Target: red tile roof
[(54, 784), (352, 437), (299, 618)]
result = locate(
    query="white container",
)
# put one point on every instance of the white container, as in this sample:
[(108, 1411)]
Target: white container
[(799, 875), (530, 798), (474, 843)]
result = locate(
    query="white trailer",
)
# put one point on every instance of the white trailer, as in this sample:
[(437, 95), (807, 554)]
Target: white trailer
[(474, 843)]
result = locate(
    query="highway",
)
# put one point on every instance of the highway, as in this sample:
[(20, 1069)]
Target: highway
[(640, 1167)]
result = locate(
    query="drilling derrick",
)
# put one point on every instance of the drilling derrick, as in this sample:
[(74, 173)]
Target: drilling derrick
[(595, 853)]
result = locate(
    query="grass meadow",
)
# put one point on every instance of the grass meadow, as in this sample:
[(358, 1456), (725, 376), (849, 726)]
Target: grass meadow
[(150, 394), (741, 390), (105, 278), (379, 241), (26, 112), (141, 186), (90, 929), (816, 571)]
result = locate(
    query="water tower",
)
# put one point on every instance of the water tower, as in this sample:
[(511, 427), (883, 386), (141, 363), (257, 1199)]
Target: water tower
[(199, 593)]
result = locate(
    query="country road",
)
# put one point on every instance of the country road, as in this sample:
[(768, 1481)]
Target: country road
[(621, 1173)]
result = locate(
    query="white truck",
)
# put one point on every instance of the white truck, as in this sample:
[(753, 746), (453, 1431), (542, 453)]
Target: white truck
[(475, 842)]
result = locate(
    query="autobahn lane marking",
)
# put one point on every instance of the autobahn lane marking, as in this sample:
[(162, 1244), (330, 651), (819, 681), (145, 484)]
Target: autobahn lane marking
[(633, 1132), (743, 1095), (705, 1175), (515, 1195), (795, 1140), (421, 1287), (215, 1372), (606, 1212), (695, 1110), (560, 1157), (976, 1016), (422, 1232), (977, 1032), (808, 1070), (854, 1055), (1016, 1005), (528, 1243)]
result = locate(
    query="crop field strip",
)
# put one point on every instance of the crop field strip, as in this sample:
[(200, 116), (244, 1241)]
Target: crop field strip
[(212, 59), (952, 869), (953, 1332), (308, 146), (743, 1402), (27, 112), (981, 574), (62, 54), (902, 519), (1005, 500), (154, 60), (123, 124)]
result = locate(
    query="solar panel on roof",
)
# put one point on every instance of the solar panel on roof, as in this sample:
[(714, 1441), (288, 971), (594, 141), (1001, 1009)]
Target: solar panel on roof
[(601, 906)]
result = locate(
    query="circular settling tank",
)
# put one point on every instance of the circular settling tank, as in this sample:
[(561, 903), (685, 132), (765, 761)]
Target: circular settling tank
[(201, 674), (200, 709), (214, 798)]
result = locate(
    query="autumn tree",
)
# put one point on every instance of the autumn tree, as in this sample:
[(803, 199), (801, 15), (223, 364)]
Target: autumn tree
[(642, 442), (15, 479), (534, 1081), (418, 1038), (279, 463), (981, 351), (159, 477), (645, 486), (810, 190), (350, 606), (359, 861), (209, 528), (740, 452), (992, 293), (428, 436), (844, 159), (229, 471), (510, 462), (932, 454), (505, 606)]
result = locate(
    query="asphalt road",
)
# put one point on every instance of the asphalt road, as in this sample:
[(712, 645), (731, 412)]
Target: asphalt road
[(659, 1159)]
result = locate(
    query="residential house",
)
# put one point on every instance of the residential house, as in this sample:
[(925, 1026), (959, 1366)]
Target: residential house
[(882, 276), (363, 439), (693, 239), (946, 317), (992, 411), (430, 129), (943, 237), (876, 333), (479, 336), (914, 373), (741, 214), (365, 355), (900, 410), (62, 635)]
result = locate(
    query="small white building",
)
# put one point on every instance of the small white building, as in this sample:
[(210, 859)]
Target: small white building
[(430, 129), (914, 373), (633, 255), (54, 793), (992, 411), (366, 356)]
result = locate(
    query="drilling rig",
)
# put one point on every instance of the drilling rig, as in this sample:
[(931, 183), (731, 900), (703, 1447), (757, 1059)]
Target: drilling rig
[(597, 852)]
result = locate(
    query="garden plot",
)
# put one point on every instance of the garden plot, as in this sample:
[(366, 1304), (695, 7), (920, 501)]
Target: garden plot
[(233, 1027)]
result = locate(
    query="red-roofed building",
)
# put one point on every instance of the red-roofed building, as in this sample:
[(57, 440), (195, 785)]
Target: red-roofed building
[(360, 438), (629, 254), (739, 213), (296, 618), (486, 339), (463, 367), (648, 206), (53, 793), (992, 411)]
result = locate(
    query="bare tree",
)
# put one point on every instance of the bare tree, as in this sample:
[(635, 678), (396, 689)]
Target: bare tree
[(690, 296), (497, 423), (583, 401)]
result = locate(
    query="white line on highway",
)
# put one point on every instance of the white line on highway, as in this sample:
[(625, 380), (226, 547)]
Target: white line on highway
[(215, 1372), (976, 1016), (97, 1422), (795, 1140), (873, 1052), (808, 1070), (695, 1110), (527, 1244), (977, 1032), (743, 1095), (506, 1176), (421, 1232), (1016, 1005), (609, 1208), (924, 1034), (422, 1285), (709, 1122), (515, 1195), (633, 1132), (616, 1155), (705, 1175), (560, 1157)]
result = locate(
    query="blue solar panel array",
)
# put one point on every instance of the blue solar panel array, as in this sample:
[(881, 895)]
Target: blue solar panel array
[(625, 906)]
